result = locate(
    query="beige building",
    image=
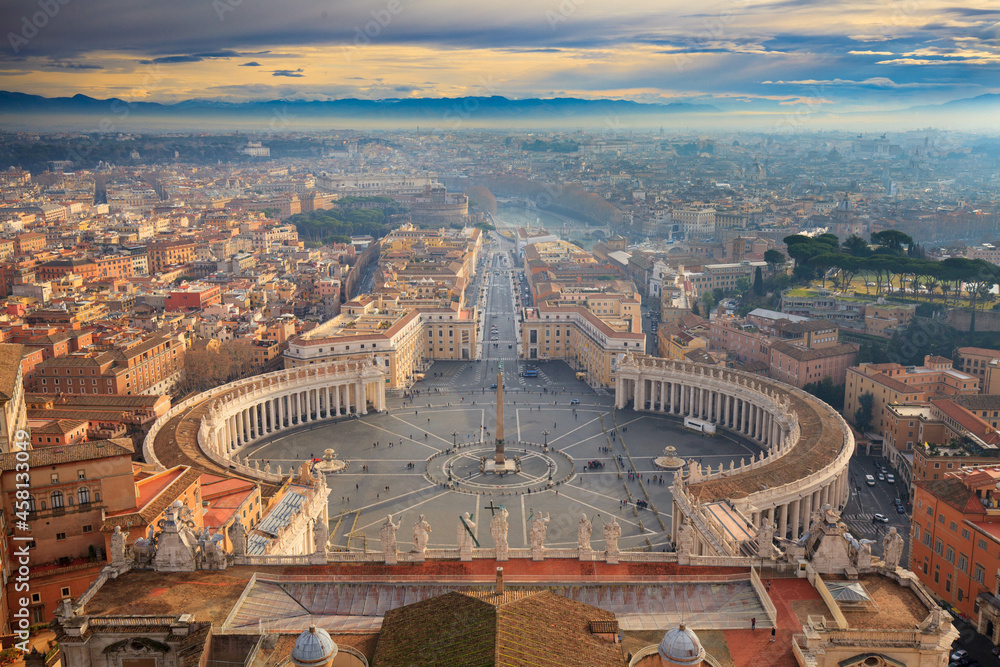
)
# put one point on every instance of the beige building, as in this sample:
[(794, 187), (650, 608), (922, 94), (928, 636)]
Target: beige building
[(401, 339), (590, 342), (893, 383)]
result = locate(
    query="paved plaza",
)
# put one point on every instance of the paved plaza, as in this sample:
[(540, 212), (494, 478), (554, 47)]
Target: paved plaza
[(399, 462)]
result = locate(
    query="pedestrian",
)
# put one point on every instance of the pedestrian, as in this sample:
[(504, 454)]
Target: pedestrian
[(773, 631), (753, 623), (767, 586)]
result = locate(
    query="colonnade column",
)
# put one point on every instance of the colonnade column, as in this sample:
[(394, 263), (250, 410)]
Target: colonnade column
[(795, 518), (782, 520)]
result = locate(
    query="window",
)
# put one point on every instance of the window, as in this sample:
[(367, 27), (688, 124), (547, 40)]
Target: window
[(54, 478), (938, 547), (36, 597), (965, 533), (57, 499), (963, 563), (64, 591), (949, 555), (88, 528), (954, 527), (979, 574), (60, 536), (83, 495), (982, 543), (81, 474), (941, 519)]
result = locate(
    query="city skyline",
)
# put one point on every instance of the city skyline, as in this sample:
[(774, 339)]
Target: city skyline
[(838, 62)]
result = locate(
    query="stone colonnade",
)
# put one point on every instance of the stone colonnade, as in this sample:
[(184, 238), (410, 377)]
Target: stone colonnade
[(756, 408), (298, 396)]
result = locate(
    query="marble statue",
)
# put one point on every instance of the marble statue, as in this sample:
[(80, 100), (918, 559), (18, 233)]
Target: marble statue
[(388, 536), (238, 537), (583, 532), (421, 533), (498, 529), (465, 535), (538, 529), (117, 547), (685, 537), (892, 548), (612, 531), (321, 533), (765, 539), (144, 549), (215, 557), (65, 609)]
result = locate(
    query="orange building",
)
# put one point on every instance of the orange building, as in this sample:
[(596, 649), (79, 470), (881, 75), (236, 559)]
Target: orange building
[(71, 488), (955, 537)]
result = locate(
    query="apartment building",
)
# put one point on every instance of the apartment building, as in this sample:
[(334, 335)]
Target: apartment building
[(163, 254), (955, 538), (71, 489), (894, 383), (136, 366), (980, 361)]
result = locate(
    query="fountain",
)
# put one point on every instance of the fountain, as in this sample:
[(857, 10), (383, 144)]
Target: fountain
[(330, 463), (669, 460)]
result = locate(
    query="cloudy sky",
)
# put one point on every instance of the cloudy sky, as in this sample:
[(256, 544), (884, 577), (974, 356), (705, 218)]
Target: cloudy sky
[(834, 55)]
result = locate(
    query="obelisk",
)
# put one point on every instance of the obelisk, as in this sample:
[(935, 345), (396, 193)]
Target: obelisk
[(499, 451)]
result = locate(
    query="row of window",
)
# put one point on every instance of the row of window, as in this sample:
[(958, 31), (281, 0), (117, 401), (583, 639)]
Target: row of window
[(57, 498)]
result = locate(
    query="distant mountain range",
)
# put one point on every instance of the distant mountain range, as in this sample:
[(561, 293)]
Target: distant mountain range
[(444, 111), (80, 112)]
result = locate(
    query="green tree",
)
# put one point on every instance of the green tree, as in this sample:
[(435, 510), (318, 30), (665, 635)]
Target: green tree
[(864, 415), (774, 259), (709, 301), (856, 246), (758, 282), (742, 286), (891, 241)]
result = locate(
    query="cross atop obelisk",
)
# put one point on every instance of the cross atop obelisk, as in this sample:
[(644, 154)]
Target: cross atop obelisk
[(499, 450)]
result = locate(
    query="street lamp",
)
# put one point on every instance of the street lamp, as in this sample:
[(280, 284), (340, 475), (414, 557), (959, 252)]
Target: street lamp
[(454, 438), (545, 435)]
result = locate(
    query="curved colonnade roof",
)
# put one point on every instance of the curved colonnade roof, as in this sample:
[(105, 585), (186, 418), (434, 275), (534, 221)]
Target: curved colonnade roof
[(176, 443), (821, 441)]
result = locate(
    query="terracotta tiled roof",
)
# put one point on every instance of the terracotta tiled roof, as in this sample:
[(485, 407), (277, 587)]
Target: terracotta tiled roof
[(951, 491), (804, 354), (10, 363), (84, 451), (519, 629), (978, 401), (60, 426)]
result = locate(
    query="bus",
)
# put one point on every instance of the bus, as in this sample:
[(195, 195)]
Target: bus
[(530, 373), (700, 425)]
